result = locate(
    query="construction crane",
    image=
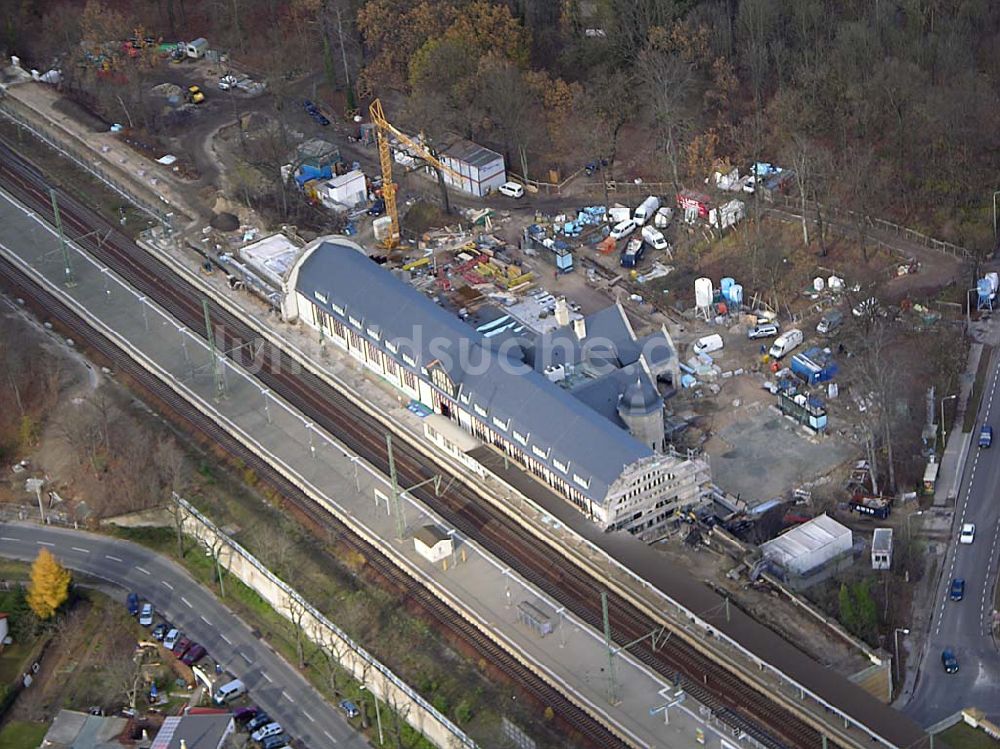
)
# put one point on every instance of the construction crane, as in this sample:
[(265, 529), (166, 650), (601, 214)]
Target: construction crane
[(382, 130)]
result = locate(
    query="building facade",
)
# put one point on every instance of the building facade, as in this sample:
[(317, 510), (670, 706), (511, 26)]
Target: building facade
[(491, 388)]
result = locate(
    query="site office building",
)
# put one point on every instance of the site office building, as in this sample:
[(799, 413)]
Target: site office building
[(412, 343)]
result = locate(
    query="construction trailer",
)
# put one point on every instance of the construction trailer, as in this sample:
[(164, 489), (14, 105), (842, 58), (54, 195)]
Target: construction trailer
[(197, 49), (475, 169), (804, 409)]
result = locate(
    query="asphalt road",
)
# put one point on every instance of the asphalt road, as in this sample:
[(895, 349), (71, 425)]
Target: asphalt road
[(964, 626), (273, 683)]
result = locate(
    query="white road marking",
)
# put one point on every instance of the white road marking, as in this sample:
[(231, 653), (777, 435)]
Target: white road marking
[(311, 718), (82, 551), (186, 602), (44, 543), (8, 538), (245, 657), (264, 674), (327, 734), (206, 621), (285, 695), (143, 571), (171, 587), (227, 640), (113, 559)]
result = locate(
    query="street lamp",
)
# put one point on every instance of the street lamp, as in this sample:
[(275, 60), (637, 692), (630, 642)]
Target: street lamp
[(944, 434), (378, 715), (895, 639)]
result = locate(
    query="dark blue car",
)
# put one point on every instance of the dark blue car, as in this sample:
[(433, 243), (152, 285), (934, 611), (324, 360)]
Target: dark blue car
[(949, 661), (957, 589), (133, 604), (378, 208)]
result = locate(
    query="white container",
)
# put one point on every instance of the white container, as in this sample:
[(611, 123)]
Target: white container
[(382, 226), (703, 292), (818, 284)]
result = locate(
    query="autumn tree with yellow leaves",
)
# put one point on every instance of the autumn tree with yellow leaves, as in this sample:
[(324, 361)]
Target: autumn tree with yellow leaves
[(49, 586)]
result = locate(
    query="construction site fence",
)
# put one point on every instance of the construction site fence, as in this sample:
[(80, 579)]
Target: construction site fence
[(78, 154), (879, 224), (549, 188)]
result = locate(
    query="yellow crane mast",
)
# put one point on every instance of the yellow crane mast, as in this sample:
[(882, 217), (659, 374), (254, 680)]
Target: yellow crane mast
[(382, 130)]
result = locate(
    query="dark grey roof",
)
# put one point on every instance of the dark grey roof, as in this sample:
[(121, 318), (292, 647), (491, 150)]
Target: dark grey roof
[(604, 394), (640, 397), (431, 535), (494, 379), (468, 152)]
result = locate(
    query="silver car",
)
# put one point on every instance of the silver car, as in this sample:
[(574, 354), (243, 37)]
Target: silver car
[(764, 330), (146, 615)]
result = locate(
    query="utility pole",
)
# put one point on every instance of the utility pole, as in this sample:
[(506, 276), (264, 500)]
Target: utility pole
[(397, 503), (343, 54), (70, 281), (612, 680), (220, 380)]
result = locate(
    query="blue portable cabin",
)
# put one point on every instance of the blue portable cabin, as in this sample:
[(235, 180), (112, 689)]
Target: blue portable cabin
[(814, 366)]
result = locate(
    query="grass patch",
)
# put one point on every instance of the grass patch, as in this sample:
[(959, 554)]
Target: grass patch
[(10, 570), (963, 736), (19, 734), (14, 661), (972, 408)]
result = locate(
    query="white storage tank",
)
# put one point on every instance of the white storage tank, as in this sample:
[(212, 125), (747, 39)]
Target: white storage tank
[(703, 292)]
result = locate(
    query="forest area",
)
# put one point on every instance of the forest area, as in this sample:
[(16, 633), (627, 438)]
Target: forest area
[(886, 107)]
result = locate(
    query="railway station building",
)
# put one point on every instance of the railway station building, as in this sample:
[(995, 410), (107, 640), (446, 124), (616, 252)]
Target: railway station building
[(580, 407)]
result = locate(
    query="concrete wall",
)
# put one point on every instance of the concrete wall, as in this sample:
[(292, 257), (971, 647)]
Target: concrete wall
[(378, 679)]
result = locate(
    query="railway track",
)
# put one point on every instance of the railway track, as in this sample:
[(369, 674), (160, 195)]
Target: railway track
[(730, 699), (307, 511)]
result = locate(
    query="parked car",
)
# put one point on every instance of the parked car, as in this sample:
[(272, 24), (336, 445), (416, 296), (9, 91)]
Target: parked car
[(146, 615), (132, 602), (321, 120), (349, 708), (160, 631), (182, 646), (765, 330), (170, 641), (986, 436), (310, 107), (957, 589), (194, 654), (271, 729), (260, 719), (623, 229), (377, 208), (949, 661), (229, 691), (244, 714), (511, 190), (274, 742), (968, 534)]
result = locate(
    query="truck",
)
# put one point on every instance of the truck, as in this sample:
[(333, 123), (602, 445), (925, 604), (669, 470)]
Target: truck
[(830, 321), (646, 210), (985, 435), (785, 342), (633, 252)]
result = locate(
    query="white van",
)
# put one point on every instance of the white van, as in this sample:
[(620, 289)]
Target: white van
[(511, 190), (708, 344), (654, 238), (646, 210), (785, 343), (663, 217), (229, 692), (622, 230)]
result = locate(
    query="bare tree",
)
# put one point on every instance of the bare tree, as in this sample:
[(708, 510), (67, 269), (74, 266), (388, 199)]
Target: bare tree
[(668, 79), (297, 615), (879, 378)]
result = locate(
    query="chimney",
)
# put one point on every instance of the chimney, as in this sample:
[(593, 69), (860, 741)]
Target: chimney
[(580, 328), (562, 311)]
